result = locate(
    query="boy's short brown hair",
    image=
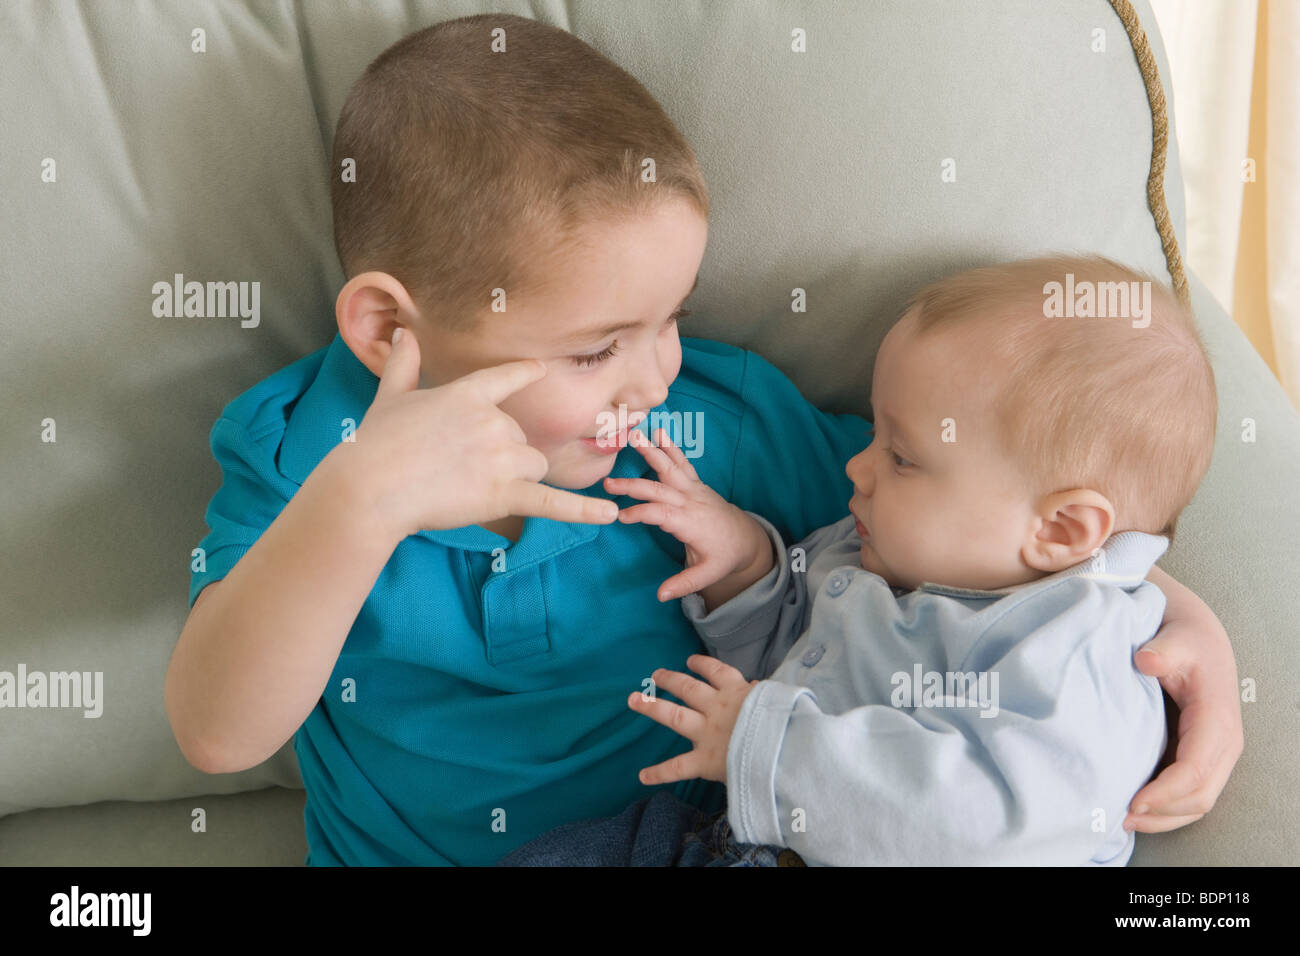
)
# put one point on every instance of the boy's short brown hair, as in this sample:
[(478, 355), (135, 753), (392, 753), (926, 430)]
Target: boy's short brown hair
[(474, 167), (1089, 402)]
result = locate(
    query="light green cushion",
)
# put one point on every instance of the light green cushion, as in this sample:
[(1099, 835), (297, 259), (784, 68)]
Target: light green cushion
[(824, 169), (255, 828)]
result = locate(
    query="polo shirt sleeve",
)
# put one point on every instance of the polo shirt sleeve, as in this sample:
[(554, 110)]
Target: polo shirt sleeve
[(252, 494), (790, 455)]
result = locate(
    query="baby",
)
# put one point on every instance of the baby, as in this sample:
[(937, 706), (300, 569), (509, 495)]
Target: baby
[(948, 670)]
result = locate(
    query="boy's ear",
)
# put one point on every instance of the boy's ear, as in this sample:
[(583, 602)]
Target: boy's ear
[(1069, 527), (370, 308)]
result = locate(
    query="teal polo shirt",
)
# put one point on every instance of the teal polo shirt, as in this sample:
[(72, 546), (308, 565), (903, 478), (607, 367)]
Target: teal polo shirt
[(486, 694)]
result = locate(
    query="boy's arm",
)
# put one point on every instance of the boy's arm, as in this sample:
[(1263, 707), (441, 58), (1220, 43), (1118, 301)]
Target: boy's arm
[(300, 562), (257, 650), (1192, 657)]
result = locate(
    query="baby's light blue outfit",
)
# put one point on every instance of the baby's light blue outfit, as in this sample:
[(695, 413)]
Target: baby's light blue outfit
[(832, 759)]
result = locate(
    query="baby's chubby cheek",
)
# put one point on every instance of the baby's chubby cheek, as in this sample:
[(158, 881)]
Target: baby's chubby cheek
[(895, 548)]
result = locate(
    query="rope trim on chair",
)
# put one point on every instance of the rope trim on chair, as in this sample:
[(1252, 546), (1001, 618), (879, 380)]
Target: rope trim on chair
[(1159, 146)]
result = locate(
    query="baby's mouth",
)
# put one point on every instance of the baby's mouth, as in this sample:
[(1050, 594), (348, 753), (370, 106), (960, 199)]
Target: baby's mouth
[(862, 529)]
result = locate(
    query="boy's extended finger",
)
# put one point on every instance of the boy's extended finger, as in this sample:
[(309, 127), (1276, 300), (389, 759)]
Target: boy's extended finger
[(531, 499), (499, 382), (675, 717), (401, 372)]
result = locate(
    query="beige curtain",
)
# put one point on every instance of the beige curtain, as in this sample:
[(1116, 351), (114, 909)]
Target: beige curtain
[(1236, 82)]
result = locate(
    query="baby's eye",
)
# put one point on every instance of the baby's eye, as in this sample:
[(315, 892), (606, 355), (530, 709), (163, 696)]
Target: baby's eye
[(900, 461)]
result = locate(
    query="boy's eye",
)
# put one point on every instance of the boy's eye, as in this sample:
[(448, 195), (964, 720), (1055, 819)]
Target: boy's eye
[(900, 461), (597, 357)]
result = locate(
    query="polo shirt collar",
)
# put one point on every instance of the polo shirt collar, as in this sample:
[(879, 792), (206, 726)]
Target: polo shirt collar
[(344, 388), (1125, 559)]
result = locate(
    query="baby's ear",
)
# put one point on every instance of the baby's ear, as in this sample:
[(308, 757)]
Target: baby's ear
[(1070, 526)]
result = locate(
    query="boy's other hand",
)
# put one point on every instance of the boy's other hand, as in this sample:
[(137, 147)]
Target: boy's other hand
[(720, 538), (1194, 663), (447, 457)]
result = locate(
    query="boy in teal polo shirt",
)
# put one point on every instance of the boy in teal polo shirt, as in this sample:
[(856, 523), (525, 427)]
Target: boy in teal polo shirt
[(487, 695), (449, 634)]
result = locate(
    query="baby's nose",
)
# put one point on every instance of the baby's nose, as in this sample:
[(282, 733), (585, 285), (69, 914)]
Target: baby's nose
[(858, 471)]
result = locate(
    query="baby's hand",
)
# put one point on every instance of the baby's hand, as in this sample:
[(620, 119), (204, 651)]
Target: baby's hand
[(708, 719), (720, 538)]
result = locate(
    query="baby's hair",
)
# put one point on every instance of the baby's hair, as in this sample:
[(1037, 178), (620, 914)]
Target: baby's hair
[(1089, 402), (474, 168)]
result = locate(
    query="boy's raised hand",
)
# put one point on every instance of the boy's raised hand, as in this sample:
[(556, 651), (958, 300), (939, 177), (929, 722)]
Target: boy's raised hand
[(720, 538), (447, 457)]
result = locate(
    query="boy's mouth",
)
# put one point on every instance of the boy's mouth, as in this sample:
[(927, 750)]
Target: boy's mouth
[(612, 439), (607, 443)]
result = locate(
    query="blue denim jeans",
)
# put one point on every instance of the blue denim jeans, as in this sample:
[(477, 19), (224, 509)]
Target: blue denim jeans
[(659, 830)]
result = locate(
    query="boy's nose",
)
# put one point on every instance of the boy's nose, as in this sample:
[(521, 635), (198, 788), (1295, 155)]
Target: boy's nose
[(646, 391)]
